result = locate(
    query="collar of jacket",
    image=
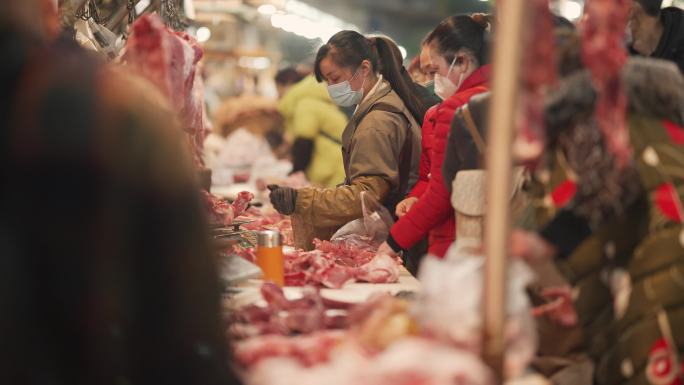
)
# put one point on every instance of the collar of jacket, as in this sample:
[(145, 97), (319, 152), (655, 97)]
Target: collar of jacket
[(382, 90), (478, 78)]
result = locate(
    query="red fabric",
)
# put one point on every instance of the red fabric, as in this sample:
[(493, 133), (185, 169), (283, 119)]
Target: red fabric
[(428, 138), (676, 133), (667, 202), (564, 193), (662, 365), (433, 212)]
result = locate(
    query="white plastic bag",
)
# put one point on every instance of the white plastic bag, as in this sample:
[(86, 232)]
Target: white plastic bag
[(96, 37), (374, 227), (450, 305)]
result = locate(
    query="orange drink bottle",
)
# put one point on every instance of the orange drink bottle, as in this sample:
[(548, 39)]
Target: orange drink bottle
[(270, 256)]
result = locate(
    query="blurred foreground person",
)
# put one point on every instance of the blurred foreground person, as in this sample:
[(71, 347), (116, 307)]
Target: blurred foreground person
[(106, 274), (618, 238)]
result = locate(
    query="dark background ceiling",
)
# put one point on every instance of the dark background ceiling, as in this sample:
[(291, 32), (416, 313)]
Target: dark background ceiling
[(406, 21)]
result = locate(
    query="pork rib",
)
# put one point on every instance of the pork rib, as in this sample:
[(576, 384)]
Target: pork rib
[(604, 54)]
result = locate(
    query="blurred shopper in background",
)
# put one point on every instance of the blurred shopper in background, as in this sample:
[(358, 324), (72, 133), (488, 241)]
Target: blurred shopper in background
[(314, 126), (381, 144), (416, 72), (286, 78), (246, 128), (458, 47), (107, 275), (656, 32)]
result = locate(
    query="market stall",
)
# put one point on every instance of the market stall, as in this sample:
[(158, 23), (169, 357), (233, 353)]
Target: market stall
[(341, 304), (344, 310)]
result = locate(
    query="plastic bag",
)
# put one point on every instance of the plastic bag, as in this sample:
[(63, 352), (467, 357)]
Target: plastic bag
[(459, 322), (374, 227), (96, 37)]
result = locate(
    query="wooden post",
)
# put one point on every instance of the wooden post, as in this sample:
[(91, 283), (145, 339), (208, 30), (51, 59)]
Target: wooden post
[(502, 114)]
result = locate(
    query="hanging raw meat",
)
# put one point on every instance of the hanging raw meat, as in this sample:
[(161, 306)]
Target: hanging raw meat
[(169, 60), (539, 71), (604, 54)]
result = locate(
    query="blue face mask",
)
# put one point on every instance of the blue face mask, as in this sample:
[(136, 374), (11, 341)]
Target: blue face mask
[(343, 95)]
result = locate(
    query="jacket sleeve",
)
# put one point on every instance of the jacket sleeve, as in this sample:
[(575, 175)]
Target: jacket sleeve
[(373, 167), (338, 206), (434, 207)]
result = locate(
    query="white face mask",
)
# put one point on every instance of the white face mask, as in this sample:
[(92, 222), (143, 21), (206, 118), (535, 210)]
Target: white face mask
[(444, 87), (629, 38), (343, 95)]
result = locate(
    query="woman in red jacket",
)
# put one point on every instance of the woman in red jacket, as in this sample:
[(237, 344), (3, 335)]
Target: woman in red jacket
[(458, 49)]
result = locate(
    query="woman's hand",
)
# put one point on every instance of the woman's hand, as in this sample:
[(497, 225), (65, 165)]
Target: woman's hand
[(560, 308), (385, 249), (530, 247), (405, 206)]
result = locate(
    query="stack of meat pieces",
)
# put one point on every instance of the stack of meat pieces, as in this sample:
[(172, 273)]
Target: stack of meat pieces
[(309, 350), (223, 213), (381, 346), (306, 329), (410, 361), (269, 221), (335, 263), (332, 264), (281, 316)]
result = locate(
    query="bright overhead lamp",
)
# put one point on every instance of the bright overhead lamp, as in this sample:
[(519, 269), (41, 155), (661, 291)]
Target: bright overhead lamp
[(203, 34), (267, 9)]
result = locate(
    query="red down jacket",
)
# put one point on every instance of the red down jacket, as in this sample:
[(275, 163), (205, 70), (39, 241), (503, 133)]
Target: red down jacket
[(433, 213), (427, 142)]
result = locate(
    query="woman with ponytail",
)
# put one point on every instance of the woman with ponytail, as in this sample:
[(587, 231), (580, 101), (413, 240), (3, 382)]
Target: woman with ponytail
[(458, 50), (380, 146)]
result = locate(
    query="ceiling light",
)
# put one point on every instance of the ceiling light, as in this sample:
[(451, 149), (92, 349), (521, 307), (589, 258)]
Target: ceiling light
[(571, 9), (267, 9), (203, 34)]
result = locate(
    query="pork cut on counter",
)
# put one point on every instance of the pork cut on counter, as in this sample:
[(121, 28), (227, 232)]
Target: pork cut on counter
[(221, 212), (282, 316), (334, 263)]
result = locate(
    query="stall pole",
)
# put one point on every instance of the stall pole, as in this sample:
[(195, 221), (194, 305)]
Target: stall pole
[(502, 114)]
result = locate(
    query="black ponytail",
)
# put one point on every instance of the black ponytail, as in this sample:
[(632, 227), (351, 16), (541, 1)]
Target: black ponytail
[(392, 69), (349, 48)]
